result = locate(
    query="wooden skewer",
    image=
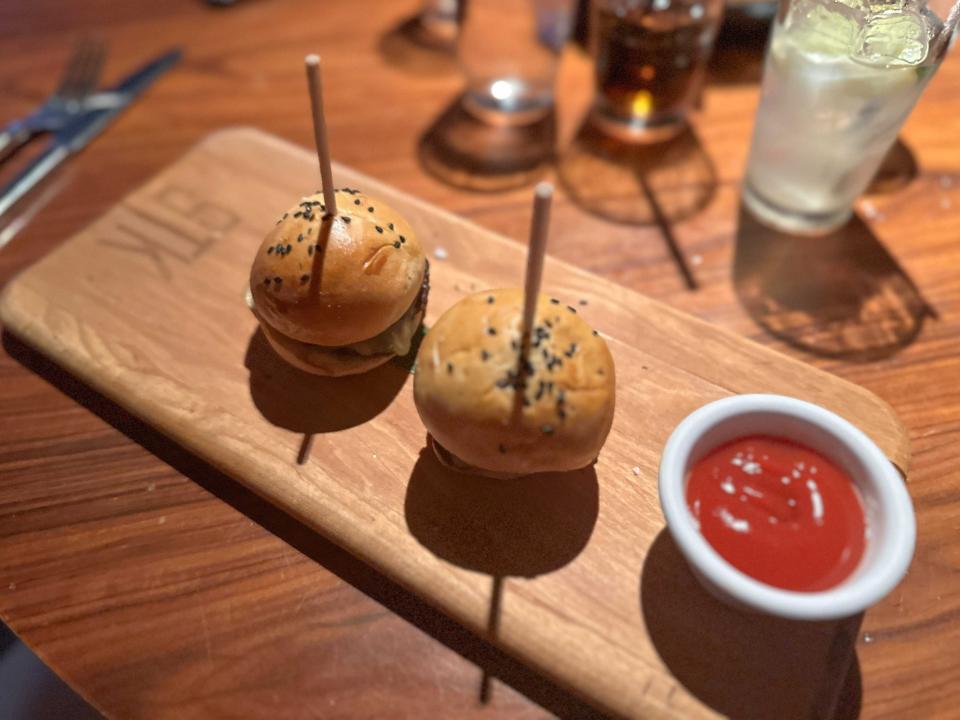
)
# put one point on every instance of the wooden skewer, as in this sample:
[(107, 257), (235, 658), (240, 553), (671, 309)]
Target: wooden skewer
[(320, 132), (542, 197)]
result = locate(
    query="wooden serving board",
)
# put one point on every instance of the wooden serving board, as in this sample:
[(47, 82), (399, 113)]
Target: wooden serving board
[(146, 306)]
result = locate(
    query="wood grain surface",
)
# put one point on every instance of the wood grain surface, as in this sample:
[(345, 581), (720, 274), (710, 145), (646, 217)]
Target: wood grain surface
[(144, 306), (158, 588)]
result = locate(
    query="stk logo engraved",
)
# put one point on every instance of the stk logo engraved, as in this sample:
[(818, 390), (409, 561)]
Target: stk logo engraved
[(166, 243)]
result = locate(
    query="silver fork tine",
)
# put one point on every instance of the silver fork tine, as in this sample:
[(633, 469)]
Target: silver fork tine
[(91, 76), (84, 70), (72, 68)]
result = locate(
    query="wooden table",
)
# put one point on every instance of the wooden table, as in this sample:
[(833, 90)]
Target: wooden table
[(159, 588)]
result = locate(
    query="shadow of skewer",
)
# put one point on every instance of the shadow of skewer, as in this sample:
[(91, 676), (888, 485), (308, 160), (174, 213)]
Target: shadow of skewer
[(668, 238), (640, 183), (493, 631), (523, 527)]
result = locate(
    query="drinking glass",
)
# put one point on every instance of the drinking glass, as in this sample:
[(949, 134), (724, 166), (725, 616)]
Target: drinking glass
[(508, 51), (839, 81), (651, 57)]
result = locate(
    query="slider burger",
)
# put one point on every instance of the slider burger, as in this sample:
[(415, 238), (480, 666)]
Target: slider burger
[(340, 295), (491, 413)]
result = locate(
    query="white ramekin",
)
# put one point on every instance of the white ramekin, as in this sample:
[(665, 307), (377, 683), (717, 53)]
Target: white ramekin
[(891, 528)]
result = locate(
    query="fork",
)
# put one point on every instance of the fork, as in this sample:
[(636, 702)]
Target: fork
[(79, 80)]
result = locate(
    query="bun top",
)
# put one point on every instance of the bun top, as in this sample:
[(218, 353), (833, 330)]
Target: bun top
[(337, 281), (470, 395)]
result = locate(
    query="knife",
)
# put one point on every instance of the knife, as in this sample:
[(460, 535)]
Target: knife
[(78, 133)]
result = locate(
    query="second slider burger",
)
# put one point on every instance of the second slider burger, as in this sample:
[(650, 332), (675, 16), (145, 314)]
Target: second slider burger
[(491, 413), (340, 295)]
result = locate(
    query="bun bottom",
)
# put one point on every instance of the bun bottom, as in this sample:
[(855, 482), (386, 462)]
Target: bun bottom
[(312, 359), (452, 462)]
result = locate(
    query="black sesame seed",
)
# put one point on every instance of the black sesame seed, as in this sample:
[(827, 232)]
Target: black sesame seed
[(390, 226), (554, 301), (370, 209), (288, 249), (317, 246), (491, 331), (572, 309), (595, 333), (379, 229), (540, 388), (402, 239), (490, 299), (397, 244), (526, 402), (356, 202), (504, 383), (548, 323), (345, 218), (304, 279), (297, 214), (583, 302), (300, 237), (270, 250), (571, 350), (547, 429), (450, 368), (309, 249), (484, 355), (514, 345)]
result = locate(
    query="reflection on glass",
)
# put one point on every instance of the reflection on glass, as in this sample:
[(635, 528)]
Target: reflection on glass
[(651, 56), (508, 51)]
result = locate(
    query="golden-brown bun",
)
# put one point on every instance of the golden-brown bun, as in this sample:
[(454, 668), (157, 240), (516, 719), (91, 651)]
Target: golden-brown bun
[(465, 386), (314, 359), (340, 280)]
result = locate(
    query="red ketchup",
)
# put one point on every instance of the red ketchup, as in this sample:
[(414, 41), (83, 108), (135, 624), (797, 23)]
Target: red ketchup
[(778, 511)]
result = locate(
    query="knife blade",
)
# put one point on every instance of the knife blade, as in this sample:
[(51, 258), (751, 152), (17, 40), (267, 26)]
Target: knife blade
[(78, 133)]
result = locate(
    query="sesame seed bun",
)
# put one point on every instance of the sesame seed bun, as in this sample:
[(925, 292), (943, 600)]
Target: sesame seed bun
[(469, 394), (341, 280)]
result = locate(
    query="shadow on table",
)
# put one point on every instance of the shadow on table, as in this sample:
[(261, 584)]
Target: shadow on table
[(311, 404), (639, 183), (898, 169), (841, 295), (420, 46), (307, 541), (463, 151), (747, 665), (521, 528)]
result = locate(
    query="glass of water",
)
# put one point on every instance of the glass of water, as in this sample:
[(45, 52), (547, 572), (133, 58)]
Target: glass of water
[(508, 50), (841, 76)]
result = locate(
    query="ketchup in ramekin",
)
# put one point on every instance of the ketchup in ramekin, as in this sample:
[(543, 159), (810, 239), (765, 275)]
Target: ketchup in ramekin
[(778, 511)]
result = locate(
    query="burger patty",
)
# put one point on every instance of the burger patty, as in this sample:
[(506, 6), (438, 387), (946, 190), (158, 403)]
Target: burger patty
[(396, 339)]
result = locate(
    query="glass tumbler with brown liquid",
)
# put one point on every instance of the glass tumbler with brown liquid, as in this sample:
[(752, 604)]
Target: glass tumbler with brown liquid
[(651, 57)]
